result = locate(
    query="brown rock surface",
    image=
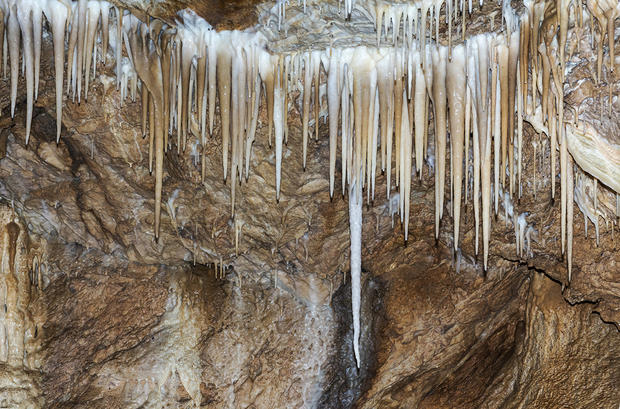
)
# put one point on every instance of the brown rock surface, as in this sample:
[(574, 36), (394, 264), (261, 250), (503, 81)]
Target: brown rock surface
[(223, 15)]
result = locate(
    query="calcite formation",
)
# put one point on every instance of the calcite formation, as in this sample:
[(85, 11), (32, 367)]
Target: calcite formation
[(412, 90), (21, 281)]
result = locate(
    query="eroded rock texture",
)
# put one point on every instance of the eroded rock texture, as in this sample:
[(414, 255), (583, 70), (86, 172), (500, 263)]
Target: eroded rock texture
[(21, 286), (107, 317)]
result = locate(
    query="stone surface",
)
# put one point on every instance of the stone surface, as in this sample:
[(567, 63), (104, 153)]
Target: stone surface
[(223, 15)]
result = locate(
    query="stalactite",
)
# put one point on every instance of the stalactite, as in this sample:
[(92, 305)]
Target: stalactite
[(496, 122), (105, 29), (73, 34), (467, 134), (253, 109), (148, 66), (484, 139), (386, 103), (224, 61), (188, 50), (119, 11), (428, 79), (385, 92), (366, 89), (405, 167), (287, 70), (598, 14), (534, 147), (3, 48), (524, 58), (81, 38), (151, 112), (562, 7), (307, 90), (345, 102), (278, 120), (13, 36), (485, 152), (502, 55), (520, 134), (520, 227), (144, 97), (546, 78), (267, 73), (177, 98), (399, 100), (37, 22), (58, 13), (472, 68), (24, 13), (316, 71), (93, 12), (201, 84), (569, 215), (420, 101), (440, 57), (373, 132), (355, 225), (236, 105), (356, 160), (455, 81), (553, 143), (595, 204), (513, 57), (333, 103), (563, 186)]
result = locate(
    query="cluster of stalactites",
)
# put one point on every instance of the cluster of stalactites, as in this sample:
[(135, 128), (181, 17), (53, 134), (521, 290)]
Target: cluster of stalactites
[(182, 69), (595, 203), (544, 28), (413, 17), (379, 99), (178, 71), (404, 21), (21, 23)]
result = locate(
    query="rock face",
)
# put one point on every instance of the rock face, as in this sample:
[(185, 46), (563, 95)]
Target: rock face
[(98, 314), (224, 15), (21, 286)]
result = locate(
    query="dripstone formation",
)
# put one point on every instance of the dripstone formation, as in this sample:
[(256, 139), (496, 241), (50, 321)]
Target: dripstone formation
[(186, 179)]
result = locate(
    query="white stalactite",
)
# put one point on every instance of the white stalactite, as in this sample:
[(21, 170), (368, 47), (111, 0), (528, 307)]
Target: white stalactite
[(58, 12), (456, 83), (24, 16), (355, 226)]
